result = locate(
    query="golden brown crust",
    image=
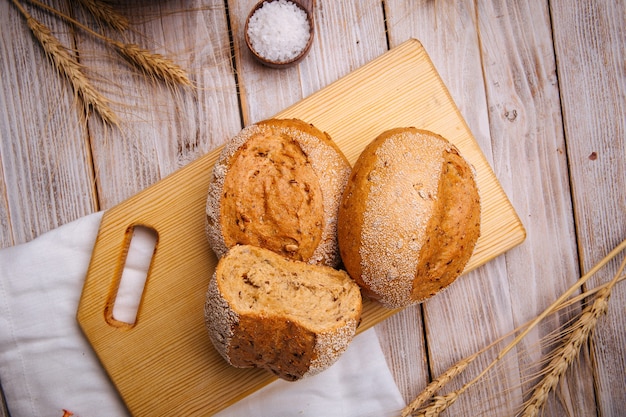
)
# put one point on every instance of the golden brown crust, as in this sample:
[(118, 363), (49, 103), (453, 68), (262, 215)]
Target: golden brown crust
[(409, 217), (274, 197), (277, 185), (281, 346), (289, 317), (452, 230)]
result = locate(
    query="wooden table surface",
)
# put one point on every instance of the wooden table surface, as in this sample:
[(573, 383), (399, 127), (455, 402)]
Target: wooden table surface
[(540, 84)]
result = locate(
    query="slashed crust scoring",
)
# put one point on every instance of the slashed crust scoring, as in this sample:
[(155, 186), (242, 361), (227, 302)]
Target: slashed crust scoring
[(409, 218), (288, 317), (277, 184)]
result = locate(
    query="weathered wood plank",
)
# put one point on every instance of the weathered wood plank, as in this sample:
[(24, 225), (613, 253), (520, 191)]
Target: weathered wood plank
[(402, 340), (528, 148), (342, 43), (162, 128), (448, 32), (473, 311), (46, 176), (45, 163), (589, 39)]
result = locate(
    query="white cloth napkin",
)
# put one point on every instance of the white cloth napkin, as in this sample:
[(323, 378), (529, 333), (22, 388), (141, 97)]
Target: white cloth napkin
[(46, 364)]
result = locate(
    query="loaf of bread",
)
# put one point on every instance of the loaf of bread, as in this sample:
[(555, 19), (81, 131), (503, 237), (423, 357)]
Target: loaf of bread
[(277, 185), (289, 317), (409, 217)]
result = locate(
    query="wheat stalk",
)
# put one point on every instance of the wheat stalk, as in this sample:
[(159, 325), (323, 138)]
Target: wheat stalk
[(69, 68), (570, 349), (453, 371), (563, 357), (103, 12), (437, 384), (439, 404), (566, 354), (152, 64)]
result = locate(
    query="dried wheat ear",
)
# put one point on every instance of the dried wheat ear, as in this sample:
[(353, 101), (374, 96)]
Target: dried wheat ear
[(152, 65), (427, 403)]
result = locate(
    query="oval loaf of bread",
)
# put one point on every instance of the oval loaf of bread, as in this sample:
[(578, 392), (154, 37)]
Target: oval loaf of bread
[(289, 317), (409, 217), (277, 185)]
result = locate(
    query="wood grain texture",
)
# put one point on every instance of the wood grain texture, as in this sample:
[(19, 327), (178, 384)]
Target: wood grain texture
[(176, 125), (528, 148), (169, 336), (338, 49), (448, 32), (589, 39), (45, 155), (408, 361), (478, 299)]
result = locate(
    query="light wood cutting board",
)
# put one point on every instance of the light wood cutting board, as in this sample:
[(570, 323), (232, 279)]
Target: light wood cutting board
[(164, 364)]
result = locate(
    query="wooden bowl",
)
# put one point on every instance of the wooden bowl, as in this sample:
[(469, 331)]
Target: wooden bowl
[(280, 64)]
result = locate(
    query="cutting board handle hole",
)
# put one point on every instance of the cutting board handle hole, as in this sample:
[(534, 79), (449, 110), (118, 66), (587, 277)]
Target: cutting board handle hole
[(139, 252)]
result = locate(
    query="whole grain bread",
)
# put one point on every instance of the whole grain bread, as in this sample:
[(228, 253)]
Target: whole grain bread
[(277, 185), (409, 217), (289, 317)]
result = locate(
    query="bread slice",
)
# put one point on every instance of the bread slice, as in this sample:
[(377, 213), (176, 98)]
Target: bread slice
[(277, 185), (409, 217), (289, 317)]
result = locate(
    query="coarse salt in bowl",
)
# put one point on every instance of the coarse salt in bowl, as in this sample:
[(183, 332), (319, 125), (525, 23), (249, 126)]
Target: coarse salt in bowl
[(279, 33)]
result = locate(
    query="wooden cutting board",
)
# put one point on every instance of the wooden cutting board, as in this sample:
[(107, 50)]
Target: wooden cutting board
[(164, 364)]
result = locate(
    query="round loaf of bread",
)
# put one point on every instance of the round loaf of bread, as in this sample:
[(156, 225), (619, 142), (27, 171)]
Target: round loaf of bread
[(409, 218), (277, 185), (289, 317)]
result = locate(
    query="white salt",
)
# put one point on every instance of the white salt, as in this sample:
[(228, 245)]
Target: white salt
[(279, 30)]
